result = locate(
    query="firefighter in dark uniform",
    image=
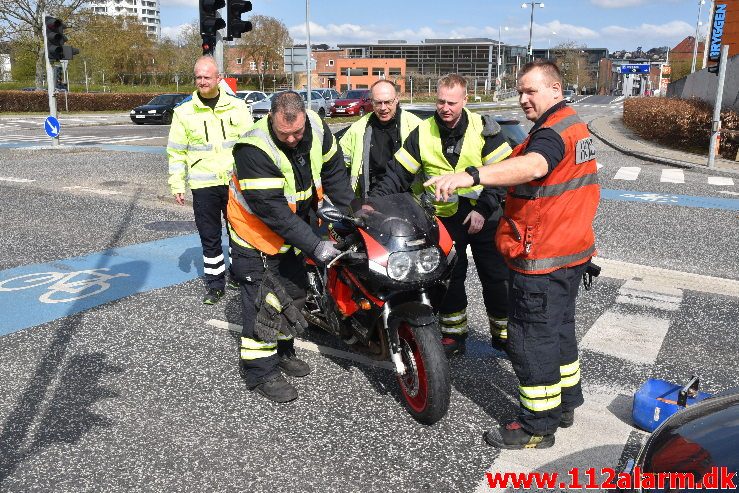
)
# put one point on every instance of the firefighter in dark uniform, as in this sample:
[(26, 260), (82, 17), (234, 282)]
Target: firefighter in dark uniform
[(282, 167), (546, 236), (452, 140)]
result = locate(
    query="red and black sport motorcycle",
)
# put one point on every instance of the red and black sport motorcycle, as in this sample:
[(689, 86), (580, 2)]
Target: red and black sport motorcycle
[(378, 294)]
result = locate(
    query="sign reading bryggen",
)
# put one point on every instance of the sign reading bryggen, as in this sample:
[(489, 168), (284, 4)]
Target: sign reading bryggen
[(717, 34)]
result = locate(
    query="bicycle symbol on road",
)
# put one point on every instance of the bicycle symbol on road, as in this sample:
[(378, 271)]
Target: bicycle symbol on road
[(651, 197), (82, 283)]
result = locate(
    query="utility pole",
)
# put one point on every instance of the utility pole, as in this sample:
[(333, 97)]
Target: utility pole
[(716, 123), (695, 41)]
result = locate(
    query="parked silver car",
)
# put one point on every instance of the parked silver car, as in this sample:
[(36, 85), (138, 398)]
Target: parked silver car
[(317, 103)]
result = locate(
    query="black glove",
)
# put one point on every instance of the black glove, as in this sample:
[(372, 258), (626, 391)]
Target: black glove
[(269, 318), (293, 321), (325, 252)]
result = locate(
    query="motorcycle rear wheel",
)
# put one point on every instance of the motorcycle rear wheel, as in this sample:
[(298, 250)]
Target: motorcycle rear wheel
[(426, 385)]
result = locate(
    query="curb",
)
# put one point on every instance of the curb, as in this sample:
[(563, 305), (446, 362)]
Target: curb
[(653, 158)]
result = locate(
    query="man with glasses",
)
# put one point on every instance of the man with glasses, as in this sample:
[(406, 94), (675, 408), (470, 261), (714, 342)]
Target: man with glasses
[(372, 140), (452, 140)]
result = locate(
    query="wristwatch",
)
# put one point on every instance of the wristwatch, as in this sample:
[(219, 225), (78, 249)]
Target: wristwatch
[(474, 172)]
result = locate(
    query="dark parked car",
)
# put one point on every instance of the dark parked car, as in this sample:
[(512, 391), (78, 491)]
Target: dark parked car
[(699, 441), (260, 109), (353, 102), (158, 110)]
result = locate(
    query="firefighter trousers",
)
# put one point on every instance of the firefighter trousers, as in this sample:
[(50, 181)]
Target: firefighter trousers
[(491, 269), (259, 358), (542, 346), (209, 206)]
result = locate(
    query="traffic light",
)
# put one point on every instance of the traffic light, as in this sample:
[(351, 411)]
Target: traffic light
[(210, 23), (55, 38), (58, 76), (235, 26)]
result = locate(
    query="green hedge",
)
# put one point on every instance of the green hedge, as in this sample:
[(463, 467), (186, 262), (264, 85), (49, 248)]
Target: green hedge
[(38, 101), (681, 123)]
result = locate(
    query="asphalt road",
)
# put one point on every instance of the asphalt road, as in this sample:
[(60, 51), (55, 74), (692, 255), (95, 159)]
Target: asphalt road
[(142, 392)]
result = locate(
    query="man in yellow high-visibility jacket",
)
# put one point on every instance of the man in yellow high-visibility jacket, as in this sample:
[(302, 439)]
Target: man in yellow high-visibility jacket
[(204, 129), (455, 139), (372, 140)]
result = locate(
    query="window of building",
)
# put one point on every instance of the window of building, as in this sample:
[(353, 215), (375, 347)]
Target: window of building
[(330, 63), (252, 65), (378, 72), (355, 72), (394, 71), (239, 61)]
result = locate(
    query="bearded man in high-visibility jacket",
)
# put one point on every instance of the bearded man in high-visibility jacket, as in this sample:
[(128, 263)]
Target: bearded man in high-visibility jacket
[(204, 129), (371, 141), (546, 236), (452, 140), (283, 167)]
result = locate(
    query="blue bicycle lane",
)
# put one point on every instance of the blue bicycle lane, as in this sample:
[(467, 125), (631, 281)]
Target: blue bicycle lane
[(35, 294)]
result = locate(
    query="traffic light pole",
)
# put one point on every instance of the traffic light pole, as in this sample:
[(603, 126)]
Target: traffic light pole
[(50, 83), (218, 52), (716, 123)]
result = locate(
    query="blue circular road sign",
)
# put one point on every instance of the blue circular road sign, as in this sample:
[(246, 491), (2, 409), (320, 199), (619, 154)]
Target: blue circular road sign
[(52, 127)]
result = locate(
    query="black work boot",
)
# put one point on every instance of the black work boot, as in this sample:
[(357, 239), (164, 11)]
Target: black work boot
[(277, 389), (453, 344), (213, 296), (567, 419), (293, 366), (513, 436)]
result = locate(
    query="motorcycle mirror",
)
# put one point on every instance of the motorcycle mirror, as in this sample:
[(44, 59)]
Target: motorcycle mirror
[(330, 213), (427, 201)]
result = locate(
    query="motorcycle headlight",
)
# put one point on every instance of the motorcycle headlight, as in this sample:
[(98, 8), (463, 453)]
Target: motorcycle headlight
[(428, 260), (399, 265)]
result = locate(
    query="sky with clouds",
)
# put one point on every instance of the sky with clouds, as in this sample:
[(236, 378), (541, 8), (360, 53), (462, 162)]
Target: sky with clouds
[(612, 24)]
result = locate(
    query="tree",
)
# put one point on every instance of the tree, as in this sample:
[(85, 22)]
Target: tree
[(264, 45), (125, 54), (25, 19), (573, 63)]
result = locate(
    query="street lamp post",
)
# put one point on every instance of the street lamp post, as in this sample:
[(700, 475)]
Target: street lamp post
[(531, 24), (695, 41), (500, 61), (549, 46)]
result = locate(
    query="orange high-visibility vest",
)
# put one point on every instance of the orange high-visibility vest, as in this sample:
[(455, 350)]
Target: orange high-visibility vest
[(548, 223), (246, 229)]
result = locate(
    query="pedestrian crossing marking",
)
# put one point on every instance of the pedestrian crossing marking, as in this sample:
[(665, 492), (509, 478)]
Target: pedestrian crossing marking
[(629, 173), (672, 176), (720, 181)]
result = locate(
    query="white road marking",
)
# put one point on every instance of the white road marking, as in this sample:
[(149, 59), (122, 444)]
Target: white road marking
[(630, 173), (729, 193), (650, 294), (616, 269), (629, 336), (92, 190), (313, 347), (605, 410), (672, 176), (598, 165), (16, 180), (721, 181)]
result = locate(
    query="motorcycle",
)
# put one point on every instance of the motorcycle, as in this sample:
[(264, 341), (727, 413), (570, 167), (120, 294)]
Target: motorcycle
[(378, 294)]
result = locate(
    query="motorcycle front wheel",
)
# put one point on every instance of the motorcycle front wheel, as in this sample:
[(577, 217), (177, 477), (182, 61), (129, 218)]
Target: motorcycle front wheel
[(426, 385)]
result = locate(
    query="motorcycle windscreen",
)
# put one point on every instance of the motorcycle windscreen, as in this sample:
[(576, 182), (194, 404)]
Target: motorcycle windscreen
[(397, 215)]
